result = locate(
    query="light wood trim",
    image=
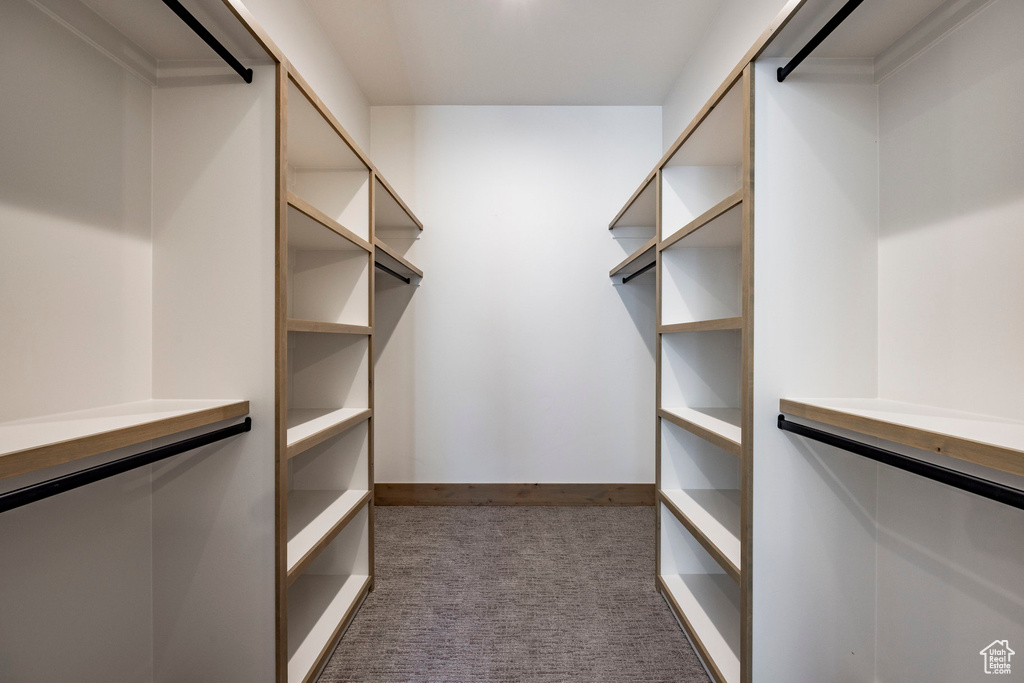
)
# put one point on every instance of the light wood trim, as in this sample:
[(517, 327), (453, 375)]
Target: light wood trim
[(996, 457), (323, 219), (759, 46), (371, 426), (297, 325), (648, 246), (700, 221), (713, 550), (254, 28), (326, 539), (281, 383), (703, 326), (328, 432), (658, 284), (611, 495), (321, 661), (698, 644), (391, 253), (48, 455), (704, 433), (747, 386), (307, 90), (394, 195), (651, 177)]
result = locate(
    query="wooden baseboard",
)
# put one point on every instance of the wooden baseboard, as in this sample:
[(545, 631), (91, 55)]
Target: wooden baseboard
[(514, 494)]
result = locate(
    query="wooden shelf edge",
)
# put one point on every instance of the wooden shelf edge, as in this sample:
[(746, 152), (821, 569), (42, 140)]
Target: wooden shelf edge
[(649, 245), (398, 200), (332, 642), (996, 457), (691, 632), (40, 457), (716, 553), (727, 204), (715, 325), (307, 91), (411, 270), (629, 202), (303, 562), (327, 432), (304, 207), (708, 435), (298, 325)]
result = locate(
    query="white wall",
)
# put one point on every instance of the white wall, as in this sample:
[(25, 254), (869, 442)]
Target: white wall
[(517, 359), (815, 303), (951, 321), (294, 28), (737, 24)]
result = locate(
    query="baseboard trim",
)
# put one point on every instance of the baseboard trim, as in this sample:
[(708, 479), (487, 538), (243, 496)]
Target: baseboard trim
[(615, 495)]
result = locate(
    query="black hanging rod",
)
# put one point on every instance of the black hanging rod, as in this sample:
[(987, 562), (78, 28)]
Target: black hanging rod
[(965, 482), (51, 487), (209, 38), (393, 273), (821, 35), (639, 272)]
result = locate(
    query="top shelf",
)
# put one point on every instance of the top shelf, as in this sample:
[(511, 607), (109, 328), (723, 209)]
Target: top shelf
[(641, 210), (35, 443), (982, 439), (390, 212), (313, 142), (718, 139)]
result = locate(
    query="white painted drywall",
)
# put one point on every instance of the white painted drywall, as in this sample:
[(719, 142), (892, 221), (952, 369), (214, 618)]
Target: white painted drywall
[(75, 301), (517, 359), (292, 26), (815, 318), (731, 33), (951, 321)]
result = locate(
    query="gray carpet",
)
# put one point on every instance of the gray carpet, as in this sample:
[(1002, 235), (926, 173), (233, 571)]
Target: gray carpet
[(514, 594)]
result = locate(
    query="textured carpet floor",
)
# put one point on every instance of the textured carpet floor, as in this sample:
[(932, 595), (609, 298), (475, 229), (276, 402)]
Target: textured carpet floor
[(514, 594)]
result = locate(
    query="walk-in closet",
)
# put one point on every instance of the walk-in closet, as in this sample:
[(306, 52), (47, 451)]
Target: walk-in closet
[(638, 341)]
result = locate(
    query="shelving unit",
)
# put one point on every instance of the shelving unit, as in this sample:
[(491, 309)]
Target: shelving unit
[(325, 330), (396, 229)]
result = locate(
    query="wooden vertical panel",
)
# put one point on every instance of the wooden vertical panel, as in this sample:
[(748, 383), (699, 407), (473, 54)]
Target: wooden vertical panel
[(373, 422), (281, 383), (747, 377), (657, 378)]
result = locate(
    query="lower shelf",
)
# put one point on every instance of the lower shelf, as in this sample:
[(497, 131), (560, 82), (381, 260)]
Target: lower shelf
[(307, 428), (35, 443), (708, 605), (712, 516), (314, 519), (720, 426), (319, 608)]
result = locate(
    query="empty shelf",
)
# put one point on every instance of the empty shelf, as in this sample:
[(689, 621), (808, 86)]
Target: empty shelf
[(319, 608), (314, 519), (712, 516), (641, 209), (721, 226), (720, 426), (386, 256), (295, 325), (708, 605), (307, 428), (703, 326), (310, 228), (390, 212), (34, 443), (638, 260), (982, 439)]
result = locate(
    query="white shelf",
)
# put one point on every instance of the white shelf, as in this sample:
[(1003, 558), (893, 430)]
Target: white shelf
[(709, 604), (307, 428), (715, 515), (34, 443), (310, 229), (391, 213), (318, 607), (641, 210), (983, 439), (389, 258), (314, 517), (720, 426), (638, 260)]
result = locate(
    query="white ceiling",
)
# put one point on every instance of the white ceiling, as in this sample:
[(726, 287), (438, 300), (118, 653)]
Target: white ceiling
[(540, 52)]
